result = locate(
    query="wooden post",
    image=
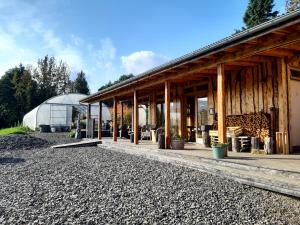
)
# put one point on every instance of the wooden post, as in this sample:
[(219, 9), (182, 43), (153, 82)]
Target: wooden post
[(132, 115), (88, 121), (136, 117), (100, 121), (221, 105), (182, 111), (196, 117), (284, 104), (167, 115), (115, 122), (122, 116), (121, 120), (153, 108)]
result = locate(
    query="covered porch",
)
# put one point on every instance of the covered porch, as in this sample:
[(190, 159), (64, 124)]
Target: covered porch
[(245, 80)]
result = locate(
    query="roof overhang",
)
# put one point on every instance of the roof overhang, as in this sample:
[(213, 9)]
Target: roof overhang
[(271, 34)]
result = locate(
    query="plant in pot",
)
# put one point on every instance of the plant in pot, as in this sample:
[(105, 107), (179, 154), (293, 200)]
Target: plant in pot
[(177, 142), (219, 150)]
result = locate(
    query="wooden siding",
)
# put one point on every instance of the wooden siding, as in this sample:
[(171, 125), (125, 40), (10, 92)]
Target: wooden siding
[(250, 90)]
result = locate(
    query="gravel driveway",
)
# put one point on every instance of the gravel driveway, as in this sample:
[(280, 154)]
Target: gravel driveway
[(93, 186)]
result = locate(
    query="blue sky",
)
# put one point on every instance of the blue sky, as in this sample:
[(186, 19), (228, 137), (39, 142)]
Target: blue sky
[(110, 38)]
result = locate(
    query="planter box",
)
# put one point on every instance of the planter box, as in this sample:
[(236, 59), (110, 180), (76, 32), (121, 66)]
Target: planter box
[(177, 144)]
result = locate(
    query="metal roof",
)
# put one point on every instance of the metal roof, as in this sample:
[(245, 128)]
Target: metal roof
[(259, 30)]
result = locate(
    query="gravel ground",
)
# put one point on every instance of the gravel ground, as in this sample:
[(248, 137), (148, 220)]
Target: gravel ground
[(21, 142), (93, 186)]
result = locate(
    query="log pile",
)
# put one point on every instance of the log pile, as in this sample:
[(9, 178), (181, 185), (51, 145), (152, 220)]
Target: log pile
[(253, 124)]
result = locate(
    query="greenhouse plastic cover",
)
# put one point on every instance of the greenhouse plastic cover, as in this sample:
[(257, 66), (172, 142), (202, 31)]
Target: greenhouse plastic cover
[(57, 111)]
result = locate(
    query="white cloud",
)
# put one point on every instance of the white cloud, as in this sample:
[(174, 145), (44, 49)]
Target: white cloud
[(13, 54), (142, 61), (76, 40), (72, 57), (105, 55)]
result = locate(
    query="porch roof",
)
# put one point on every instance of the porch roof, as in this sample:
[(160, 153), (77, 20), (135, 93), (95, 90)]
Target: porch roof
[(260, 41)]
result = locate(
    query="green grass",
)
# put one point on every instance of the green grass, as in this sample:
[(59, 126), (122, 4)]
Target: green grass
[(15, 130)]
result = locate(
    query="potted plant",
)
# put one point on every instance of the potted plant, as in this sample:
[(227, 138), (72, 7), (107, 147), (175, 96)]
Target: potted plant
[(177, 142), (219, 151)]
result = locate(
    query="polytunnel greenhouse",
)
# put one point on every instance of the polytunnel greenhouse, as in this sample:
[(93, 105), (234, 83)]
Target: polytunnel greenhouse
[(62, 111)]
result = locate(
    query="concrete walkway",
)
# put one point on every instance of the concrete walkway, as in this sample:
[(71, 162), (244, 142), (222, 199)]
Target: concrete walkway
[(279, 173)]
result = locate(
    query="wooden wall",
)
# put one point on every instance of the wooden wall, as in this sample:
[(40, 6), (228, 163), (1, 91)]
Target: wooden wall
[(250, 90)]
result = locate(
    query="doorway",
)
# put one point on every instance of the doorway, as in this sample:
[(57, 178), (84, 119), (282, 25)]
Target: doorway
[(294, 113), (201, 117)]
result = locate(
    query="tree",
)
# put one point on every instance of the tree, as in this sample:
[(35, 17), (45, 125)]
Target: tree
[(52, 79), (17, 95), (259, 11), (121, 78), (8, 110), (292, 5), (25, 89), (62, 76), (80, 85)]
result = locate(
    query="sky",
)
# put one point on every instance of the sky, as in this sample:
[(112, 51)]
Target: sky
[(108, 38)]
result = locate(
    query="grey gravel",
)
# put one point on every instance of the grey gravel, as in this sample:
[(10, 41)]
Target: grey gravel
[(94, 186), (20, 142)]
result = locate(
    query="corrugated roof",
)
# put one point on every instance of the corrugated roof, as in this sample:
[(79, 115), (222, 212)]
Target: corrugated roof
[(279, 22)]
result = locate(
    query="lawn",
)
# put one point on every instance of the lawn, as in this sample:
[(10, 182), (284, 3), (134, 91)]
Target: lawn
[(15, 130)]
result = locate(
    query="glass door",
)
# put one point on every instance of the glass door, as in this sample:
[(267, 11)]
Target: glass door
[(201, 117)]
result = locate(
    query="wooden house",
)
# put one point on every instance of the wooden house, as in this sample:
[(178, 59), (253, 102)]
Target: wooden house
[(250, 79)]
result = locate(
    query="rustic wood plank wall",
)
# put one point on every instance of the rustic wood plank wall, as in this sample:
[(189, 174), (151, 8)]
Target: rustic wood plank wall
[(251, 90)]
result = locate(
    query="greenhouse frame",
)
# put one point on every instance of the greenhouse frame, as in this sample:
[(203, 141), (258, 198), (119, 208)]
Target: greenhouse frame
[(58, 112)]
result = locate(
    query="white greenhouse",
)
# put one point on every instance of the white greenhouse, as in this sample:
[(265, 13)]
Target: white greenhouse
[(59, 111)]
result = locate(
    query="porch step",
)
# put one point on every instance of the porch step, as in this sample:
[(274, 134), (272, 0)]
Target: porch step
[(285, 182)]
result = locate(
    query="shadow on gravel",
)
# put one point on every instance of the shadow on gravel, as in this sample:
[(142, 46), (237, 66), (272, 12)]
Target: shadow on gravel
[(10, 160)]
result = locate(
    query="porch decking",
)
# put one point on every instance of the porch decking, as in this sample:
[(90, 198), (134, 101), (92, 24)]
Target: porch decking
[(271, 172)]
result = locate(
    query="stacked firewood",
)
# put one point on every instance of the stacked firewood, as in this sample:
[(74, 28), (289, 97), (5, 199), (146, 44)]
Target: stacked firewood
[(253, 124)]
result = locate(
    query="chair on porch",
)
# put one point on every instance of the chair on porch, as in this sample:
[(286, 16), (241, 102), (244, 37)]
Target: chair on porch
[(145, 133)]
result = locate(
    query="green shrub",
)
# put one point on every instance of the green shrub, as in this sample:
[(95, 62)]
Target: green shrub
[(72, 133)]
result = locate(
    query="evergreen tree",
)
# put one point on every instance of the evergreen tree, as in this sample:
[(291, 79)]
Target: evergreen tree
[(259, 11), (17, 95), (292, 5), (8, 109), (80, 84), (25, 89)]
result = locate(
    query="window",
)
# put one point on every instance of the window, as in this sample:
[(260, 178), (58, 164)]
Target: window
[(295, 73)]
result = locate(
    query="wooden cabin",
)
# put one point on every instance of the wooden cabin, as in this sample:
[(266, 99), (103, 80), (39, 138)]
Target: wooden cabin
[(250, 79)]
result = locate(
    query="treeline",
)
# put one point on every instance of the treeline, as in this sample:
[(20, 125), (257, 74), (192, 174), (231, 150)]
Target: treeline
[(22, 89), (121, 78)]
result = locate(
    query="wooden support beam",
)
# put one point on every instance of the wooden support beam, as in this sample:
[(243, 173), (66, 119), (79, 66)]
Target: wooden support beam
[(88, 121), (221, 105), (196, 116), (284, 103), (115, 122), (122, 116), (167, 114), (100, 121), (153, 108), (182, 127), (135, 117), (269, 44)]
